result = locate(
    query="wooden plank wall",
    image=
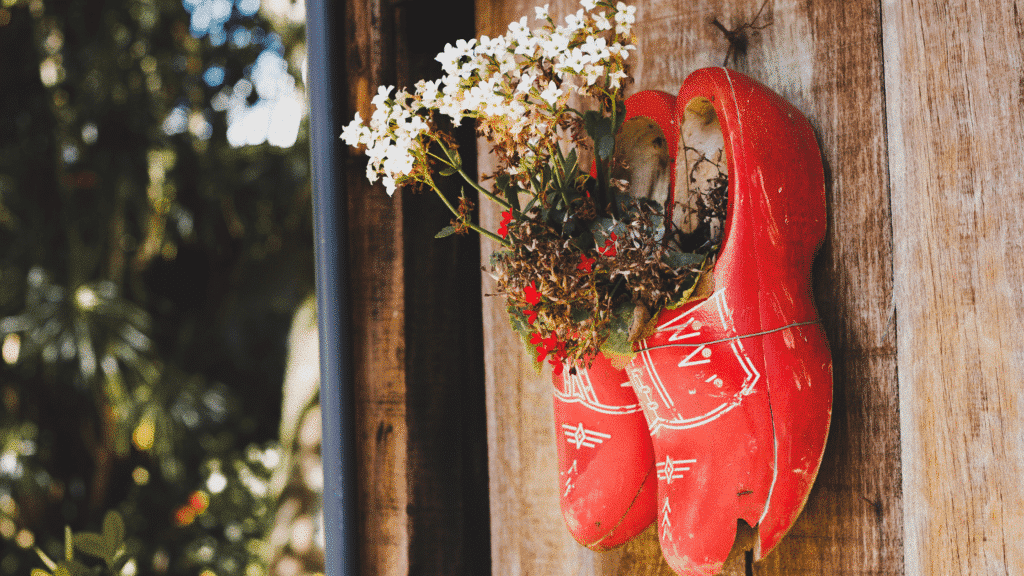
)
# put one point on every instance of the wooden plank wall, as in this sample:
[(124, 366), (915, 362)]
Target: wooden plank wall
[(954, 106), (827, 59), (920, 285)]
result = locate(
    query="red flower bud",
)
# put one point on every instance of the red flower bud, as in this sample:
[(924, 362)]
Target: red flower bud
[(506, 219)]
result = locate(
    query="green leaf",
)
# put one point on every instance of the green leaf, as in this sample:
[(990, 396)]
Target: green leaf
[(445, 232), (601, 132), (39, 572), (456, 159), (591, 121), (546, 171), (682, 259), (92, 544), (529, 205), (113, 529), (571, 161), (602, 229), (106, 544), (518, 321), (571, 227), (618, 337), (584, 240), (503, 182), (68, 568), (605, 146), (448, 171), (553, 216), (512, 195)]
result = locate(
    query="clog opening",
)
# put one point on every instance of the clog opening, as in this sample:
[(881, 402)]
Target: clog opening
[(701, 176), (642, 160)]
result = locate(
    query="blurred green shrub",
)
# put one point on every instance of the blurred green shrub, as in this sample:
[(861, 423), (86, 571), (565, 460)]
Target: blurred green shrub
[(153, 243)]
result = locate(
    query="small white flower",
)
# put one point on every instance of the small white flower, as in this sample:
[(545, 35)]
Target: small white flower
[(625, 17), (389, 184), (596, 48), (353, 132), (541, 12), (380, 100), (518, 30), (525, 83), (615, 78), (574, 22), (588, 4), (428, 92), (551, 94)]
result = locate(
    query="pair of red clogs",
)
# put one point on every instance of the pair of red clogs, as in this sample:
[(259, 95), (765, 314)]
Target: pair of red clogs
[(722, 413)]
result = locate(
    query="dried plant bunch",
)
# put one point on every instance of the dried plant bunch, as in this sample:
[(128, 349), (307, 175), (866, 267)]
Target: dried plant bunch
[(582, 293), (585, 258)]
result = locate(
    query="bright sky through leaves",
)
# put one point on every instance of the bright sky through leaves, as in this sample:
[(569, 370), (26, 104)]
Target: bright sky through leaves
[(274, 117)]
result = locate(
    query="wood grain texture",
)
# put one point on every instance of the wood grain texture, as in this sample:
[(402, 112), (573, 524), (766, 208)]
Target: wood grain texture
[(826, 58), (416, 329), (376, 278), (378, 317), (954, 94), (445, 413)]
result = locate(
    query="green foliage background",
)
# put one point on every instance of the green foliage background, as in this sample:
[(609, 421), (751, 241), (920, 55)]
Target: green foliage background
[(146, 285)]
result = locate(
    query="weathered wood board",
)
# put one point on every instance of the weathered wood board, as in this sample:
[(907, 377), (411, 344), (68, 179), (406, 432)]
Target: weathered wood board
[(953, 95), (378, 320), (918, 109), (418, 359), (826, 58)]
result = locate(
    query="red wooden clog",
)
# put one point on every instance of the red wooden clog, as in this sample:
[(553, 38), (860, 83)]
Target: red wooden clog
[(646, 147), (737, 387), (606, 461)]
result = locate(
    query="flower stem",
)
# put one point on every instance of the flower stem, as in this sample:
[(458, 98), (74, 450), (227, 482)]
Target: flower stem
[(430, 181), (468, 224), (481, 190), (608, 167), (451, 162), (488, 234)]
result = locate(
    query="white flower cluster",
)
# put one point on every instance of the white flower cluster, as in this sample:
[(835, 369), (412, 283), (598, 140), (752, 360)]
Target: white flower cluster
[(396, 138), (517, 86)]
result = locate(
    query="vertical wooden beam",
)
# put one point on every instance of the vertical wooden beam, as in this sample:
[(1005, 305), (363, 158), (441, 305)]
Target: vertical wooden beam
[(418, 352), (955, 114), (445, 414), (378, 315)]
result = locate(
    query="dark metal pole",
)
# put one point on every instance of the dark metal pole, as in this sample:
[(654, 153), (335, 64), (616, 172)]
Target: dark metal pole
[(336, 393)]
